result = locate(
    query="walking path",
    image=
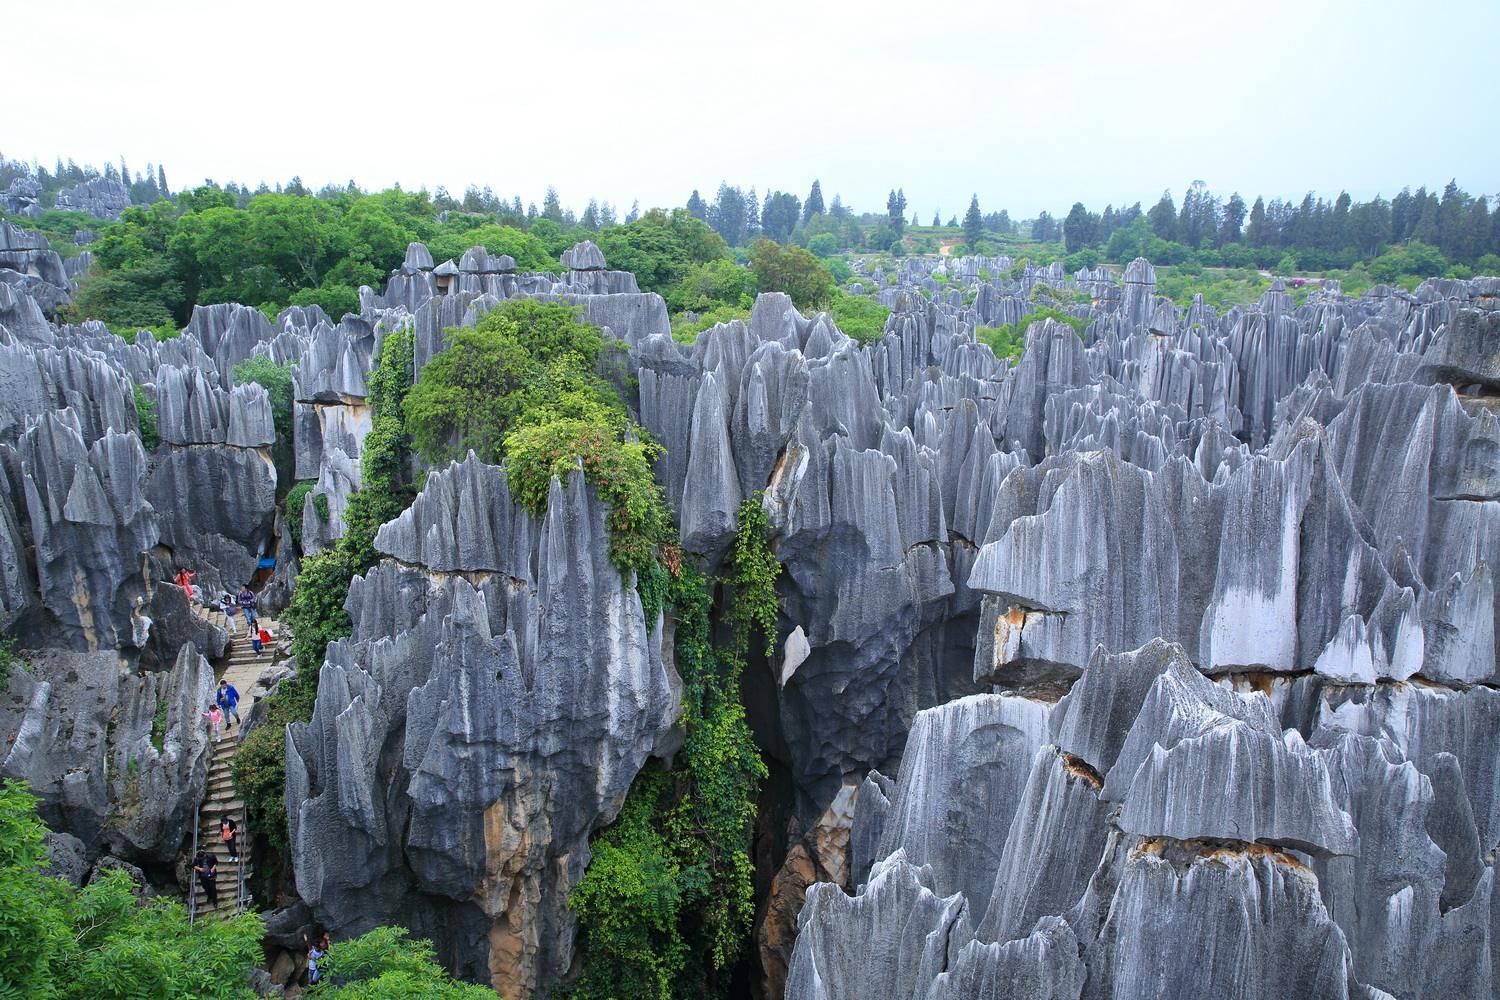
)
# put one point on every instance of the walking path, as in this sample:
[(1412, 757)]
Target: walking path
[(241, 667)]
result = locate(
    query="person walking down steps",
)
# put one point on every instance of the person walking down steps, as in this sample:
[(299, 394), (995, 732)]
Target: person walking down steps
[(206, 864), (228, 610), (247, 604), (261, 640), (229, 832), (228, 699)]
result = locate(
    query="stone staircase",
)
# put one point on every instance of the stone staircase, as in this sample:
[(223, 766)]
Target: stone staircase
[(241, 667)]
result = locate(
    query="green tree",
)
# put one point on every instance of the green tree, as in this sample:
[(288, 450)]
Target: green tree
[(973, 223), (1163, 217), (814, 204), (712, 285), (791, 270), (491, 376)]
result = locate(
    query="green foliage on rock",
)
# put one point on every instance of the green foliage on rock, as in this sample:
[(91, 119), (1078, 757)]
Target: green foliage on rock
[(292, 506), (686, 327), (1009, 341), (145, 413), (666, 905), (523, 387), (388, 964), (277, 381), (860, 317), (102, 941)]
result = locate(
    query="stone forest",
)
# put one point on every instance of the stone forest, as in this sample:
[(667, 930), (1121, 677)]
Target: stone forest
[(750, 599)]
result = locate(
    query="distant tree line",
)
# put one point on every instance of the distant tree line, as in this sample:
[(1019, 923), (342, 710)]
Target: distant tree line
[(1447, 229)]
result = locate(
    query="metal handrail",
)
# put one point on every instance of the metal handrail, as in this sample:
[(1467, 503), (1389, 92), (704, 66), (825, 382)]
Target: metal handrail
[(192, 872)]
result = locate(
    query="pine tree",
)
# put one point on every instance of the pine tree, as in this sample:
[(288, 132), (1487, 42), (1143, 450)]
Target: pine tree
[(814, 204), (1257, 234), (634, 213), (552, 206), (973, 223), (752, 214), (697, 207), (1163, 217), (936, 219), (591, 215)]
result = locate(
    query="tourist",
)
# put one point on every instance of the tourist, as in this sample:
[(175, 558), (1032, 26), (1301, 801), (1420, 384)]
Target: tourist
[(228, 832), (262, 640), (315, 954), (228, 609), (207, 867), (215, 718), (184, 579), (229, 700), (247, 603)]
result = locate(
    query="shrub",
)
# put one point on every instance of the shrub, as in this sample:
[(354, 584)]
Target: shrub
[(713, 285), (145, 413), (102, 940), (686, 330), (474, 392), (823, 245), (388, 963), (277, 381), (1009, 341), (859, 317), (619, 469), (296, 500)]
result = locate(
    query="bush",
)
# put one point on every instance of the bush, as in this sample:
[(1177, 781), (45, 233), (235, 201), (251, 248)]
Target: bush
[(823, 245), (713, 285), (859, 317), (619, 469), (792, 270), (475, 391), (296, 500), (145, 413), (686, 330), (102, 941), (387, 964), (1488, 265), (1409, 260), (1087, 257), (277, 381), (840, 269), (1009, 341)]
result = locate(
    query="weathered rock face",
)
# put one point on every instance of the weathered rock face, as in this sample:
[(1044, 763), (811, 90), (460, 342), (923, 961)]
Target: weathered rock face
[(511, 678), (135, 798), (1256, 553), (101, 197)]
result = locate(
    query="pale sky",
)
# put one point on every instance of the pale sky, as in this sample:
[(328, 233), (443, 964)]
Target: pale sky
[(1031, 105)]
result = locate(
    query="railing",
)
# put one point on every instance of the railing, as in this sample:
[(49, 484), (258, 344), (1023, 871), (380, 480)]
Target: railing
[(192, 872), (241, 837)]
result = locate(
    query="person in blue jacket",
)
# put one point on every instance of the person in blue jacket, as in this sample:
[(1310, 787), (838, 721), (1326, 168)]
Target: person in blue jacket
[(229, 701)]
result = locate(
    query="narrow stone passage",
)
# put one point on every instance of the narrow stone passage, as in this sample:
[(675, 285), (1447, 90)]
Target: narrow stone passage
[(242, 667)]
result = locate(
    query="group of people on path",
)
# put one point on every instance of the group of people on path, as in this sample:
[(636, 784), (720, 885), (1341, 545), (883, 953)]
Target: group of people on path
[(206, 863), (226, 706), (245, 603)]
